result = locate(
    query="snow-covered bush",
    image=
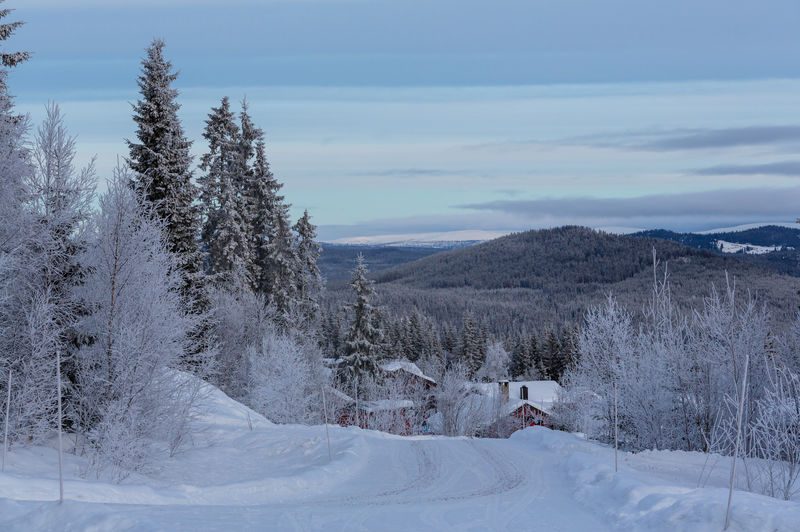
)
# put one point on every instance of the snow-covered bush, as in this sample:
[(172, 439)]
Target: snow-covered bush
[(283, 381), (462, 409)]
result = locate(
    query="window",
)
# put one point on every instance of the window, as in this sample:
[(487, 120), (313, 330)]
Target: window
[(523, 392)]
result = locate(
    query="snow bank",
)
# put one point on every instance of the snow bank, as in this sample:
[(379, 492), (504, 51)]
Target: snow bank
[(634, 500)]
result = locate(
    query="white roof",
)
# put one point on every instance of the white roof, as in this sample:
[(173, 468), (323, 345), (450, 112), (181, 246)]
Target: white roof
[(384, 405), (407, 366), (539, 392), (513, 405)]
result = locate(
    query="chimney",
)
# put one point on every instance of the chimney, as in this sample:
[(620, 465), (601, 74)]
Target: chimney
[(503, 391)]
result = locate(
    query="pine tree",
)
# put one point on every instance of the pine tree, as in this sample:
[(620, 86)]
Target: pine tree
[(521, 359), (265, 202), (225, 232), (538, 358), (11, 59), (471, 351), (162, 162), (245, 185), (309, 280), (363, 340), (281, 271), (551, 355)]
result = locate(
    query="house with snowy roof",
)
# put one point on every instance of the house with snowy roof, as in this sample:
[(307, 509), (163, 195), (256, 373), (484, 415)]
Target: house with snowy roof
[(527, 403), (410, 398), (408, 371), (514, 405)]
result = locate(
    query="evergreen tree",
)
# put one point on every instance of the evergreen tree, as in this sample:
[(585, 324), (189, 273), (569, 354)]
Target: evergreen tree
[(245, 184), (551, 355), (309, 280), (280, 274), (162, 162), (225, 232), (363, 341), (521, 359), (568, 351), (11, 59), (471, 352), (538, 358)]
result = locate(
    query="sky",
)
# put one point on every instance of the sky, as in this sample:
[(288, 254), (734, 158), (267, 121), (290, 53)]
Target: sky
[(404, 116)]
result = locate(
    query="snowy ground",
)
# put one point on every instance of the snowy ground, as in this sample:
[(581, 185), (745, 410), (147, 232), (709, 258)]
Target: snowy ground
[(279, 478)]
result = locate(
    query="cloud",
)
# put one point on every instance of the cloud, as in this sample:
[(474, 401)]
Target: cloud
[(411, 172), (745, 203), (680, 212), (783, 168), (725, 138)]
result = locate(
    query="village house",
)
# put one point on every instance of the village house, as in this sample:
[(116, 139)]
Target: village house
[(524, 404), (403, 413)]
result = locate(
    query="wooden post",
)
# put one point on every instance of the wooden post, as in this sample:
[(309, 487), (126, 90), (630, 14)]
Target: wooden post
[(738, 438), (8, 410), (60, 448), (616, 425), (327, 434), (358, 414)]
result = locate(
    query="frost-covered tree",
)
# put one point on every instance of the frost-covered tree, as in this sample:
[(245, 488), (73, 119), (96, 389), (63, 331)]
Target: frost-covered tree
[(284, 378), (225, 236), (239, 319), (461, 409), (282, 268), (606, 344), (129, 399), (495, 367), (39, 312), (362, 344), (9, 59), (309, 280), (161, 160), (264, 200)]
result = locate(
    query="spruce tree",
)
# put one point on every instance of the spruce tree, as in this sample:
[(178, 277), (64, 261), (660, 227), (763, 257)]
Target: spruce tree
[(11, 59), (362, 346), (471, 352), (309, 280), (161, 160), (521, 359), (225, 231), (280, 273), (265, 201)]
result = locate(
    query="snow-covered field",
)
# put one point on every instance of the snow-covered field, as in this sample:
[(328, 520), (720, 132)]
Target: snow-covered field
[(748, 249), (278, 477)]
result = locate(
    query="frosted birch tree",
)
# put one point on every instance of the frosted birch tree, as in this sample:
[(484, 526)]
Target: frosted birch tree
[(129, 395)]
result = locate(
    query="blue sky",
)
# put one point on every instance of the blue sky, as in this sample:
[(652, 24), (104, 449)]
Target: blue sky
[(399, 116)]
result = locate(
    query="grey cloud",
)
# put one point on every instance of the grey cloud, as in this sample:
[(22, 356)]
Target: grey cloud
[(725, 138), (679, 212), (783, 168), (411, 172), (744, 204)]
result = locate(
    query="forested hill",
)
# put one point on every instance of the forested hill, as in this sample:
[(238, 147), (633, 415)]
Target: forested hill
[(336, 261), (536, 280), (778, 245), (767, 235), (540, 260)]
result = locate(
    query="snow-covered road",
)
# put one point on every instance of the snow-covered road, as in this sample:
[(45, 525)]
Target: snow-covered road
[(280, 478)]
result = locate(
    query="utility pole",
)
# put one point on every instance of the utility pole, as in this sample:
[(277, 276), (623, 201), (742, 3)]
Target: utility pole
[(327, 434), (8, 410), (60, 448)]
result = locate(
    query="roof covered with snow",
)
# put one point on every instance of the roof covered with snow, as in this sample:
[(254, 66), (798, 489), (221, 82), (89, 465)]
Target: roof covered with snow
[(407, 366), (385, 405)]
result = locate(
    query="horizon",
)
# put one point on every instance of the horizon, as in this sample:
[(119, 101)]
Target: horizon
[(521, 115)]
